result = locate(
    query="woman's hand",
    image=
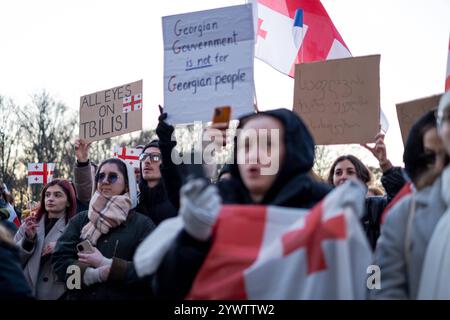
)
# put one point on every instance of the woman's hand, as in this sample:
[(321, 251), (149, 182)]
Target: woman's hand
[(81, 150), (379, 152), (94, 259), (30, 228), (48, 249)]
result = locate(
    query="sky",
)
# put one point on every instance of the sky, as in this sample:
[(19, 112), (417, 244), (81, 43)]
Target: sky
[(72, 48)]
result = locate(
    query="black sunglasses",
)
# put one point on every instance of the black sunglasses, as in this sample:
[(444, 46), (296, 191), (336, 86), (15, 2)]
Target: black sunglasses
[(110, 178), (154, 157)]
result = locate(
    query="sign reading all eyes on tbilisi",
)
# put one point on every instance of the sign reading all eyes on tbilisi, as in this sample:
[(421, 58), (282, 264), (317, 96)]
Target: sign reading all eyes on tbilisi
[(208, 62), (111, 112)]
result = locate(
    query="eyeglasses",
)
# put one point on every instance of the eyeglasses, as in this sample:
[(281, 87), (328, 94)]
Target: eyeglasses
[(110, 178), (154, 157)]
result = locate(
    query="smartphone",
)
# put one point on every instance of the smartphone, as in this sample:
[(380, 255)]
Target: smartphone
[(222, 114), (85, 246)]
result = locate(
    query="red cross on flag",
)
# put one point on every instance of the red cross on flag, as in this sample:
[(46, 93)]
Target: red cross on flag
[(40, 173), (267, 252), (128, 155), (132, 103), (276, 45)]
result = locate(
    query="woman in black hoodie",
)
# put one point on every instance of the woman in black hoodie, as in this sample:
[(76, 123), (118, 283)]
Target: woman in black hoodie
[(290, 186)]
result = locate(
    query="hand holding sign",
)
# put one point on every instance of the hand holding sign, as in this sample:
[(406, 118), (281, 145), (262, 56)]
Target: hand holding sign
[(379, 152), (81, 150), (164, 130)]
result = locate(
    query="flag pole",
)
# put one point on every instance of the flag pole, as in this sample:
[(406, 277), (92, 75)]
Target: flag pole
[(255, 104), (301, 47)]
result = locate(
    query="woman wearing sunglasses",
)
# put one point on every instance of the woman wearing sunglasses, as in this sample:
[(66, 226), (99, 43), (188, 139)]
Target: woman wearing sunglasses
[(100, 242), (153, 198)]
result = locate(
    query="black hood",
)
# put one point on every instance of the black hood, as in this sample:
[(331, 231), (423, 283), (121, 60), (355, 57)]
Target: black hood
[(298, 160)]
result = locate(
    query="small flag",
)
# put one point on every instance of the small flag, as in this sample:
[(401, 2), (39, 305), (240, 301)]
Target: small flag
[(41, 173), (128, 155), (132, 103)]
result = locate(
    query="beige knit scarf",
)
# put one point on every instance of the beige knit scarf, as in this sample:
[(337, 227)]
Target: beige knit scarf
[(105, 213)]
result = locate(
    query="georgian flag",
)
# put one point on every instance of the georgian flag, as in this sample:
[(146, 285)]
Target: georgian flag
[(275, 45), (268, 252), (40, 172), (128, 155), (132, 103)]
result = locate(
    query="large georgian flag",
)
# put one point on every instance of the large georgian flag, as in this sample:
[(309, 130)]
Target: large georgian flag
[(275, 43), (266, 252)]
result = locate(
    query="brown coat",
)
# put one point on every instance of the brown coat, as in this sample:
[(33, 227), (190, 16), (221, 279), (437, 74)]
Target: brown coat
[(41, 278)]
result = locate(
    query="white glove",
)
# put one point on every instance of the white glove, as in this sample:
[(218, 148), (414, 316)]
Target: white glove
[(96, 275), (199, 208)]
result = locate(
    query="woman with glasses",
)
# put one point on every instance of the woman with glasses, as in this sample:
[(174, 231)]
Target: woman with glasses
[(99, 243), (38, 234), (410, 223), (153, 198)]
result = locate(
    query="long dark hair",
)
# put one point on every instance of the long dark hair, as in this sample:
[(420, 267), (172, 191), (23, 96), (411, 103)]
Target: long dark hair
[(362, 172), (71, 198)]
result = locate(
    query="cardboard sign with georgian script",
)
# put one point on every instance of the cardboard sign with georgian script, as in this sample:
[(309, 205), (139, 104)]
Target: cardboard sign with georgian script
[(208, 62), (339, 100), (409, 112), (111, 112)]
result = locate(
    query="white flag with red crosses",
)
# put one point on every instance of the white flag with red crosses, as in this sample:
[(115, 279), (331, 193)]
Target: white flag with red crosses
[(40, 173), (267, 252), (132, 103), (128, 155)]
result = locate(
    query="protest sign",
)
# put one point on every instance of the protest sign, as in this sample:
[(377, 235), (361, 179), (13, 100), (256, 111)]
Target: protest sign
[(339, 100), (208, 62), (409, 112), (111, 112)]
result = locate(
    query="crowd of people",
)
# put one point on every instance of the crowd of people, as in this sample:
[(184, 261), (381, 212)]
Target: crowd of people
[(93, 226)]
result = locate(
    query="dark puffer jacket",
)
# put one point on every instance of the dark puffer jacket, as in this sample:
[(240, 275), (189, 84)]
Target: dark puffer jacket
[(293, 187)]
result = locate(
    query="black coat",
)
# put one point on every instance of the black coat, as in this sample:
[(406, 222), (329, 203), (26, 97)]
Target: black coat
[(119, 244), (13, 284), (392, 181), (293, 187), (154, 202)]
